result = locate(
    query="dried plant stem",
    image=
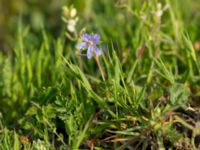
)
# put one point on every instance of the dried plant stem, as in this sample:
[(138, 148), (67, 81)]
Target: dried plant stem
[(79, 60), (100, 68)]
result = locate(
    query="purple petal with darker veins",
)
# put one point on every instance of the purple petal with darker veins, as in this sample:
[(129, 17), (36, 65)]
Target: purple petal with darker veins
[(86, 37), (97, 51), (96, 38), (89, 52), (81, 45)]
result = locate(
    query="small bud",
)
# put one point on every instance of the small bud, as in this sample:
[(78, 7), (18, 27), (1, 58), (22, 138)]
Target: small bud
[(159, 6), (73, 12), (65, 10)]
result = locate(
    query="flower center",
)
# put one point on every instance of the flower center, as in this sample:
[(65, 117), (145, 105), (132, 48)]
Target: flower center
[(91, 43)]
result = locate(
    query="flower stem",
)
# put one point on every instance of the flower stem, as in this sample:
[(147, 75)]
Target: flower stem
[(79, 60), (100, 68)]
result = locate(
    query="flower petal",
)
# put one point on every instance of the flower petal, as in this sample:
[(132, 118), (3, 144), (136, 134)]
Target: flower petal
[(86, 37), (97, 51), (89, 52), (96, 38), (81, 45)]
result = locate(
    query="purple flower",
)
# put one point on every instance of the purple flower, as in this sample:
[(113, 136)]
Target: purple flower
[(90, 42)]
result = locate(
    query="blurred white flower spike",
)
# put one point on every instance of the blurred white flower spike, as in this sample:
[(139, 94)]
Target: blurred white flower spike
[(161, 9), (70, 18), (71, 25)]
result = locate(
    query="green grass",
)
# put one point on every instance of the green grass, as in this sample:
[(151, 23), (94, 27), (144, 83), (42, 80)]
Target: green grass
[(54, 98)]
